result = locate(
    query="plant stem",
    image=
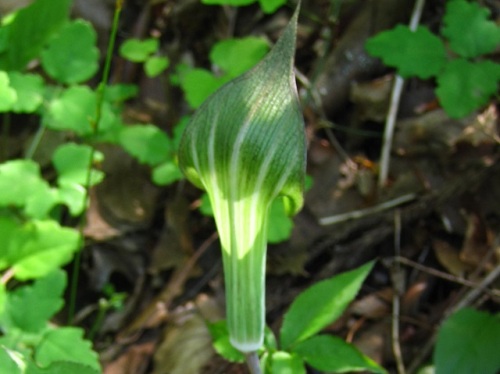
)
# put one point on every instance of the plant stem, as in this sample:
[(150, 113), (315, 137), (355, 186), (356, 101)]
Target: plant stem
[(253, 363), (397, 89), (95, 127)]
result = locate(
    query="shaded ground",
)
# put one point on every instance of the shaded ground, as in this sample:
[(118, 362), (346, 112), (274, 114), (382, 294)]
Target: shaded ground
[(433, 227)]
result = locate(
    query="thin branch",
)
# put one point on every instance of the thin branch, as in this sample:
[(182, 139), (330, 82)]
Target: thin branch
[(397, 281), (368, 211), (397, 89)]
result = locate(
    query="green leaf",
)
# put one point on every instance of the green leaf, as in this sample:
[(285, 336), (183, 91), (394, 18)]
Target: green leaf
[(10, 361), (73, 195), (65, 367), (268, 6), (167, 173), (3, 297), (206, 206), (74, 110), (29, 308), (222, 345), (72, 55), (66, 344), (332, 354), (8, 95), (236, 56), (120, 92), (19, 180), (467, 27), (30, 29), (465, 86), (198, 85), (147, 143), (137, 50), (280, 225), (36, 248), (271, 6), (287, 363), (467, 343), (29, 90), (320, 305), (414, 53), (155, 65), (72, 162), (40, 203)]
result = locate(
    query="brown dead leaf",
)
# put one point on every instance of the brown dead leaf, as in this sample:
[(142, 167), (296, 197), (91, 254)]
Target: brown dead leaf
[(134, 361), (449, 258), (478, 242), (375, 305), (187, 346)]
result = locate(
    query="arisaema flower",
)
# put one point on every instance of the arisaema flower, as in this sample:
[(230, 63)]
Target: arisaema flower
[(246, 146)]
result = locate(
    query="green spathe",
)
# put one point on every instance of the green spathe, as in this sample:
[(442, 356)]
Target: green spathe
[(245, 146)]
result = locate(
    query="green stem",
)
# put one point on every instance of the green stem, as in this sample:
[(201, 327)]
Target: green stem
[(253, 363), (95, 126), (244, 257)]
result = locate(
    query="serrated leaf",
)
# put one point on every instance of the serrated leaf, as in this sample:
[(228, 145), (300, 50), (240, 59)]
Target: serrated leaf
[(65, 367), (19, 179), (320, 305), (72, 162), (332, 354), (414, 53), (73, 196), (280, 225), (8, 95), (167, 173), (465, 86), (72, 55), (29, 308), (199, 84), (467, 27), (236, 56), (287, 363), (29, 91), (137, 50), (120, 92), (55, 347), (155, 65), (40, 203), (30, 29), (147, 143), (36, 248), (73, 110), (468, 342)]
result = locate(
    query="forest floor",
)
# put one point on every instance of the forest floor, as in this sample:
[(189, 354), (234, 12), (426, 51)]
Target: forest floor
[(432, 225)]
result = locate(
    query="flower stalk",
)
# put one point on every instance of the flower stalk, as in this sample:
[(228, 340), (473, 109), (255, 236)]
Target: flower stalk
[(246, 146)]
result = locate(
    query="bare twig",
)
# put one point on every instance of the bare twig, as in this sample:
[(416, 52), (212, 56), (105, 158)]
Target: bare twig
[(394, 105), (466, 300), (444, 275), (397, 280), (368, 211)]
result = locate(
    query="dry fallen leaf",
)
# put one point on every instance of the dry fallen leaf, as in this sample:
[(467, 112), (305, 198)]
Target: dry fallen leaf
[(187, 346)]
